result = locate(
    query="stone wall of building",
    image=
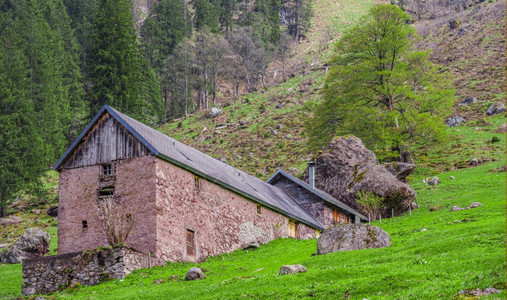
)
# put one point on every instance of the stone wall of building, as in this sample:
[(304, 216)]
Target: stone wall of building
[(134, 187), (221, 220), (48, 274)]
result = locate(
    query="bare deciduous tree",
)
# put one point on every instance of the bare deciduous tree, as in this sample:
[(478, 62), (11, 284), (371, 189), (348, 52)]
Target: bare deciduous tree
[(115, 220), (252, 54), (285, 48)]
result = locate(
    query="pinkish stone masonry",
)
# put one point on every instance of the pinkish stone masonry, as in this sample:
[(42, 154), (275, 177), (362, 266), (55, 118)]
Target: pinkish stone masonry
[(134, 187), (167, 204)]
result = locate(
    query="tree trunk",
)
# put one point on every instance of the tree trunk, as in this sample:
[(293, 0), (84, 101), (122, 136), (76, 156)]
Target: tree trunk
[(165, 104)]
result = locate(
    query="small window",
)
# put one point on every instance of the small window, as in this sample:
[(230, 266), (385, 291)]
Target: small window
[(259, 210), (107, 170), (85, 224), (197, 182)]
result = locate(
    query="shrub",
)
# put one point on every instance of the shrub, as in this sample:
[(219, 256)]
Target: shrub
[(495, 139), (370, 203)]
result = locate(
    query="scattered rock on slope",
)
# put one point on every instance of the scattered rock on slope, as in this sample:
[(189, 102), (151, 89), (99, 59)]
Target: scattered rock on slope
[(194, 274), (467, 101), (495, 108), (291, 269), (33, 243), (454, 121), (501, 129), (342, 237), (214, 112), (11, 220), (434, 181), (346, 167)]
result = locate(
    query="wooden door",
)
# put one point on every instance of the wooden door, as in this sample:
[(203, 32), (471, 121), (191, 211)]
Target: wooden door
[(190, 244), (292, 229), (336, 217)]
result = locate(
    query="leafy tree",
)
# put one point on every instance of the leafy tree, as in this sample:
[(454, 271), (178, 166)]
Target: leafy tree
[(115, 72), (380, 90)]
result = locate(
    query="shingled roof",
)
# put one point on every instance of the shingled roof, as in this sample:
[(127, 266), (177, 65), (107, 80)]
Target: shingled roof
[(207, 167), (319, 193)]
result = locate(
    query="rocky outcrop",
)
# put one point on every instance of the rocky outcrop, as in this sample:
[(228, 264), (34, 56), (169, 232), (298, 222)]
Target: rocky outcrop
[(399, 170), (343, 237), (33, 243), (291, 269), (346, 167), (495, 108), (194, 274)]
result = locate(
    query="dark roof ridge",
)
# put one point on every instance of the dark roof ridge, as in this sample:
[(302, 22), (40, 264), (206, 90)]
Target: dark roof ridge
[(319, 193)]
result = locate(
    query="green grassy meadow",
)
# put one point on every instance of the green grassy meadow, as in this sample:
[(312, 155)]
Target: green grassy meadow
[(432, 256)]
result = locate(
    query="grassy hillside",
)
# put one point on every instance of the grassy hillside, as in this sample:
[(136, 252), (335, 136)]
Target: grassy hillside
[(433, 254), (245, 134)]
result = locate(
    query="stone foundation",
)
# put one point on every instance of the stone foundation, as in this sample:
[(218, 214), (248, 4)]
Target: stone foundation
[(48, 274)]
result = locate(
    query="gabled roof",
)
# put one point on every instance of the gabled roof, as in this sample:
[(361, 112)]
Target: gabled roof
[(319, 193), (205, 166)]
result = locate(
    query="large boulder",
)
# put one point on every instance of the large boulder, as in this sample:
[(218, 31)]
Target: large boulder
[(399, 170), (33, 243), (343, 237), (346, 167), (495, 108)]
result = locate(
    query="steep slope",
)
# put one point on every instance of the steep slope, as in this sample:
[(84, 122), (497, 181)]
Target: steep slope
[(264, 130)]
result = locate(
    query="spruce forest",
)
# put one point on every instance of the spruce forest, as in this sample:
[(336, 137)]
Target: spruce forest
[(265, 85)]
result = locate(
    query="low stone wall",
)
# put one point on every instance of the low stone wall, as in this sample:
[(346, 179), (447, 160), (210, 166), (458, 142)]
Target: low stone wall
[(48, 274)]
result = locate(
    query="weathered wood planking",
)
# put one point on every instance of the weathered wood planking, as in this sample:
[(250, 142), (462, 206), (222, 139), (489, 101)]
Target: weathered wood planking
[(108, 140)]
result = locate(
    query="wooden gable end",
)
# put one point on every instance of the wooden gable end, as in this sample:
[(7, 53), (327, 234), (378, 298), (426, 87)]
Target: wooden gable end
[(106, 141)]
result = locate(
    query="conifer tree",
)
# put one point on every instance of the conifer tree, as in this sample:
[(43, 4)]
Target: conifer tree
[(21, 148), (115, 72)]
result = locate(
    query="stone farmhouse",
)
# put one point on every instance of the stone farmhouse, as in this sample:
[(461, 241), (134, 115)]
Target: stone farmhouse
[(188, 205)]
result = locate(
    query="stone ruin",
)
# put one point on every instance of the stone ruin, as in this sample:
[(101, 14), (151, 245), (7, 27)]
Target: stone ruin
[(45, 275)]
